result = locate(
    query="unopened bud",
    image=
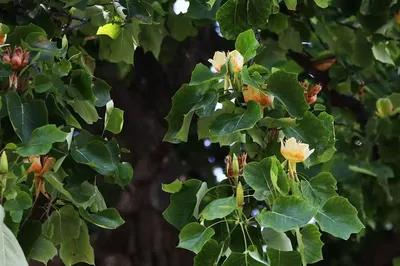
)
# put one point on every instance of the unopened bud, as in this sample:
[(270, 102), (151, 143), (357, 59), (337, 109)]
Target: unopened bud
[(239, 195), (384, 107), (234, 166), (3, 163), (235, 61)]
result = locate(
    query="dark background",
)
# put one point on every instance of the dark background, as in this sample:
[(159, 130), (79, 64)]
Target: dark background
[(146, 239)]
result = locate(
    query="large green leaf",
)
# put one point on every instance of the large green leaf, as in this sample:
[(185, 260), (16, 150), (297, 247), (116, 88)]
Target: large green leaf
[(258, 12), (81, 85), (286, 88), (11, 253), (25, 118), (63, 224), (265, 178), (339, 218), (219, 208), (310, 244), (22, 201), (232, 18), (322, 3), (319, 133), (186, 100), (247, 44), (97, 155), (202, 74), (283, 258), (101, 91), (43, 250), (194, 236), (271, 122), (291, 4), (290, 39), (108, 218), (86, 110), (172, 187), (77, 250), (183, 204), (42, 140), (288, 212), (122, 47), (319, 189), (151, 37), (209, 254), (276, 240), (21, 32), (226, 123), (123, 174)]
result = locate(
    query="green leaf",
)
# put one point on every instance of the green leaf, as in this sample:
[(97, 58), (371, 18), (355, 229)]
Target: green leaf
[(319, 189), (232, 18), (291, 4), (21, 32), (382, 53), (193, 237), (62, 68), (259, 176), (123, 174), (65, 222), (101, 91), (319, 133), (97, 15), (42, 140), (244, 259), (108, 218), (310, 244), (181, 27), (186, 100), (25, 117), (11, 252), (172, 187), (122, 47), (322, 3), (97, 155), (183, 204), (208, 4), (290, 39), (38, 42), (77, 250), (43, 250), (278, 23), (288, 212), (5, 70), (202, 74), (219, 208), (226, 124), (29, 234), (42, 83), (276, 240), (112, 30), (339, 218), (86, 110), (81, 85), (151, 37), (21, 202), (286, 88), (271, 122), (114, 119), (247, 44), (209, 254), (283, 258), (258, 12)]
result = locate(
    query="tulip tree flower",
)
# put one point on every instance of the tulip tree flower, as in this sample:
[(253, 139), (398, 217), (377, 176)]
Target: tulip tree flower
[(236, 59), (295, 152), (251, 93), (39, 171), (218, 60)]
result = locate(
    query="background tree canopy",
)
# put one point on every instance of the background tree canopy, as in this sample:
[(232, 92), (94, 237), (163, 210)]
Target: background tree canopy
[(297, 100)]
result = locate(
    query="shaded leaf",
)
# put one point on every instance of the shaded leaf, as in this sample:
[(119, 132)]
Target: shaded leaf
[(193, 237)]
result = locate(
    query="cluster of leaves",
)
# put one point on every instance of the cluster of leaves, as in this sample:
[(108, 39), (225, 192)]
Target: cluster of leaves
[(351, 49)]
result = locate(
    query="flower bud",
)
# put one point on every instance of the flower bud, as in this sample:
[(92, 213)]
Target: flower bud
[(218, 60), (235, 61), (3, 163), (239, 195), (384, 107), (234, 167)]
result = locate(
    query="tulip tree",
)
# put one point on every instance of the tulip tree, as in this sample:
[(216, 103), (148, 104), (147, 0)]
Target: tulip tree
[(306, 100)]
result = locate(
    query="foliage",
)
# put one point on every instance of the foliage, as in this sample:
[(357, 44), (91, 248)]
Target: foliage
[(320, 72), (265, 94)]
